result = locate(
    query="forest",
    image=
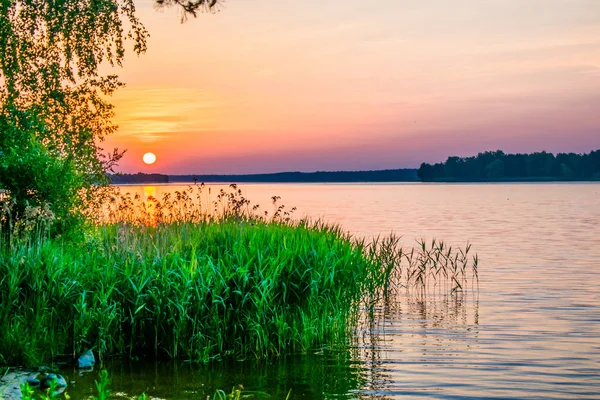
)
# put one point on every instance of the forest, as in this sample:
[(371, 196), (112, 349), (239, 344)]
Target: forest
[(499, 166)]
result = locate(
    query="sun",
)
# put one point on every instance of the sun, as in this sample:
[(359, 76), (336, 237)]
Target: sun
[(149, 158)]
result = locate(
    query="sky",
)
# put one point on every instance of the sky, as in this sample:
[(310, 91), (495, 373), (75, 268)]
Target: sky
[(280, 85)]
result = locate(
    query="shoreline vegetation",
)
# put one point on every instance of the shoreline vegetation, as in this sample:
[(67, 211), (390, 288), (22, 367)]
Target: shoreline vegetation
[(192, 278), (489, 166)]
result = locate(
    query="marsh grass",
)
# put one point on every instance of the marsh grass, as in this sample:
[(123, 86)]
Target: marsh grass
[(191, 278)]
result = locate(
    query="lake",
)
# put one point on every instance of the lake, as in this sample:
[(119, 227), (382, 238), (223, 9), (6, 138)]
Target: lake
[(532, 330)]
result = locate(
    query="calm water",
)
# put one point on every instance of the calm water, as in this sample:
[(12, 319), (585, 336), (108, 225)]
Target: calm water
[(531, 331)]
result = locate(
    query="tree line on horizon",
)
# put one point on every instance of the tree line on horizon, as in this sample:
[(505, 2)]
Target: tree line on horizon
[(140, 177), (388, 175), (499, 166), (485, 166)]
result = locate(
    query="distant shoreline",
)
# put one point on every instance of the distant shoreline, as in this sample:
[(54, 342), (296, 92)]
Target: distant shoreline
[(381, 176), (388, 175), (487, 167)]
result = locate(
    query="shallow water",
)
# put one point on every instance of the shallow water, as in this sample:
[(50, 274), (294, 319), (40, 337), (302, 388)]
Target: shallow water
[(532, 330)]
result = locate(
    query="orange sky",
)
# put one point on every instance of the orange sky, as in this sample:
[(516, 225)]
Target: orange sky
[(279, 85)]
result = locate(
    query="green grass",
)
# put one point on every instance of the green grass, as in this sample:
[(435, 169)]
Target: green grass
[(189, 284)]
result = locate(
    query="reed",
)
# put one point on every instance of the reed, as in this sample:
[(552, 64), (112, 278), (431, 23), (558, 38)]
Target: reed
[(187, 278)]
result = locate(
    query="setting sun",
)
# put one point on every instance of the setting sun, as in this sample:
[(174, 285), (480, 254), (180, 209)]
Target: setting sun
[(149, 158)]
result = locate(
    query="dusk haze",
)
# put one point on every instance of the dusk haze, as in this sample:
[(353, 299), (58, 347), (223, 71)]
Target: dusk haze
[(265, 86)]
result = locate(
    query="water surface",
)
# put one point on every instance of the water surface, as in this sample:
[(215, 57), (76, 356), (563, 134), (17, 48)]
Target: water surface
[(531, 331)]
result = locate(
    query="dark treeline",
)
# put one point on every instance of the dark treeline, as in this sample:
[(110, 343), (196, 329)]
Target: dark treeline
[(498, 166), (389, 175), (139, 178)]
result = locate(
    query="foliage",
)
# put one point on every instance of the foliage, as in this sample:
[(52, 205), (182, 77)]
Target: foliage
[(51, 53), (53, 112), (34, 178), (498, 166), (53, 109), (193, 291), (51, 393), (201, 282), (189, 7), (102, 386)]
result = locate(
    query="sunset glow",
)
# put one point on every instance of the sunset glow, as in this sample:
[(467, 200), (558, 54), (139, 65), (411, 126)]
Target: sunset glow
[(315, 85)]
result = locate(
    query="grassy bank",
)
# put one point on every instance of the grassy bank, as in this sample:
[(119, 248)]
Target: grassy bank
[(189, 284)]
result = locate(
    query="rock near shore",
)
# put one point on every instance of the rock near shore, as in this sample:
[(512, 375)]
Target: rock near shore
[(86, 360)]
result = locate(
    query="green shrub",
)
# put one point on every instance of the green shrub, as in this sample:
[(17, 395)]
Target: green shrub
[(34, 177)]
